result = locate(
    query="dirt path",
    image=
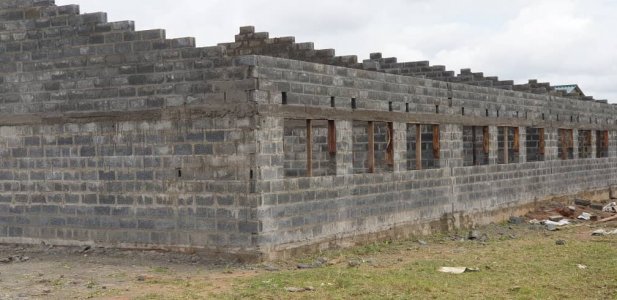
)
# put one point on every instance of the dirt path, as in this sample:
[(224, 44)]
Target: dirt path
[(61, 273)]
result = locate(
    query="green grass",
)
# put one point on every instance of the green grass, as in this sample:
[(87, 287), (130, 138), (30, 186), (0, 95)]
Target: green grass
[(530, 267)]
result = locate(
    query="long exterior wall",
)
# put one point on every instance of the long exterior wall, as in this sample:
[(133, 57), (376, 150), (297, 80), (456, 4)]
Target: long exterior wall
[(125, 138), (299, 212)]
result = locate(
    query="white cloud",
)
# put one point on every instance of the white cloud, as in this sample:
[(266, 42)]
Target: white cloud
[(565, 41)]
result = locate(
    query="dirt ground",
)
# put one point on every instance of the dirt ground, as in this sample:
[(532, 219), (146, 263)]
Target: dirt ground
[(46, 272)]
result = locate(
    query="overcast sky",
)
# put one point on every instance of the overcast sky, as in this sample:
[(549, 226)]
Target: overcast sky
[(559, 41)]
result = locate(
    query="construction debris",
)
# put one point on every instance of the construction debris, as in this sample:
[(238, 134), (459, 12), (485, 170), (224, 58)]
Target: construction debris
[(458, 270), (611, 207), (603, 232), (585, 216), (582, 202)]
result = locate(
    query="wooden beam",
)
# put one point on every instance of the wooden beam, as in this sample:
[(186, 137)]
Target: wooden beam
[(309, 148), (506, 148), (418, 147), (473, 145), (517, 140), (561, 141), (332, 137), (436, 142), (390, 146), (486, 140), (371, 146), (541, 144)]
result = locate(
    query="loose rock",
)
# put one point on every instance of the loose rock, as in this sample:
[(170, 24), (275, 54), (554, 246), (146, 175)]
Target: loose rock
[(354, 263), (292, 289), (305, 266), (560, 242), (516, 220), (556, 218), (551, 227), (271, 268)]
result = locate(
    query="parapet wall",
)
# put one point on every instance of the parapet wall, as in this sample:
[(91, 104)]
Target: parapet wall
[(124, 138)]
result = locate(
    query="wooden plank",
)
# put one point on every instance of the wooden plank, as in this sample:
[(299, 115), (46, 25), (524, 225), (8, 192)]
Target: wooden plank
[(309, 148), (486, 140), (608, 219), (517, 140), (474, 137), (332, 137), (371, 146), (436, 142), (418, 147), (541, 144), (506, 149), (563, 143), (390, 146)]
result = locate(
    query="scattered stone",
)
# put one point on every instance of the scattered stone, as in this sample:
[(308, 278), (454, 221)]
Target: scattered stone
[(585, 216), (483, 238), (354, 263), (305, 266), (565, 211), (299, 290), (516, 220), (271, 268), (458, 270), (422, 243), (560, 242), (86, 249), (572, 208), (582, 202), (333, 262), (473, 235), (603, 232), (611, 207), (515, 289), (556, 218), (582, 267), (551, 227), (596, 206), (14, 259), (320, 261), (141, 278)]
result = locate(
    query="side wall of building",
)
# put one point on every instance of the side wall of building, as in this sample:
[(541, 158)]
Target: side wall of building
[(299, 211), (123, 138), (164, 184)]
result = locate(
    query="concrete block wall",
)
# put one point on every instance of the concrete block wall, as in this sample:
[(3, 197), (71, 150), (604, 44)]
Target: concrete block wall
[(125, 138), (321, 210), (176, 184)]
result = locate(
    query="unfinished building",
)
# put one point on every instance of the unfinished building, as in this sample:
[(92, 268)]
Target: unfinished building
[(263, 146)]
